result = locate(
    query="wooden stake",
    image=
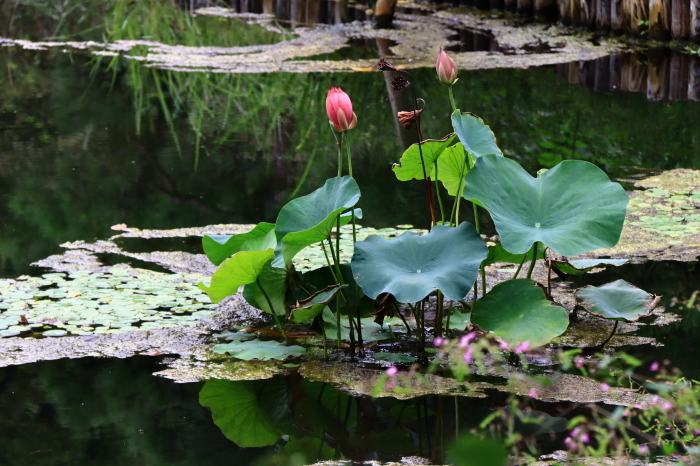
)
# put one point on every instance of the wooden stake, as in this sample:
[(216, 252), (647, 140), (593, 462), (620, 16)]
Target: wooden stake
[(660, 19), (680, 19)]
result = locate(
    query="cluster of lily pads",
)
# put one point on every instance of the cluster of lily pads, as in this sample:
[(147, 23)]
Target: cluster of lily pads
[(86, 303), (570, 209)]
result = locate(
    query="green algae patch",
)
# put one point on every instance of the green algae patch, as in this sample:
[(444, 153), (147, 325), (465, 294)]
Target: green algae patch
[(663, 220), (192, 369)]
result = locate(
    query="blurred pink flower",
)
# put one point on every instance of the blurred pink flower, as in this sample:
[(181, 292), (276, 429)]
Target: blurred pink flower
[(392, 371)]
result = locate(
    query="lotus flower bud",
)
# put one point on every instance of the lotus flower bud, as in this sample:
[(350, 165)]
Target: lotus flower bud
[(339, 110), (446, 68)]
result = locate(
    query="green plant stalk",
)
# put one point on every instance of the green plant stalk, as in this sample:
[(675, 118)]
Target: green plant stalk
[(274, 314), (438, 314), (335, 277), (339, 139), (437, 191), (534, 259), (483, 280), (517, 271), (452, 98), (612, 334), (449, 314), (347, 302)]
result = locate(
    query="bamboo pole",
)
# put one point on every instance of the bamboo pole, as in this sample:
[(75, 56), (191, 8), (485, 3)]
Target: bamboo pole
[(694, 79), (660, 19), (634, 13), (603, 14), (657, 74), (679, 75), (695, 20), (680, 19)]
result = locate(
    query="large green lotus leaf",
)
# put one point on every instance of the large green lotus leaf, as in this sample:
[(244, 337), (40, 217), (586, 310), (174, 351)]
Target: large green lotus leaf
[(410, 166), (218, 248), (243, 268), (518, 311), (310, 219), (274, 282), (259, 349), (475, 135), (452, 166), (581, 266), (410, 267), (314, 304), (572, 208), (618, 300), (237, 411)]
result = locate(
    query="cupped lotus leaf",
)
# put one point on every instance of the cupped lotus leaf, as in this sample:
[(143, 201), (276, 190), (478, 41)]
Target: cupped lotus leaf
[(411, 266), (274, 281), (475, 135), (262, 350), (237, 410), (498, 254), (618, 300), (452, 167), (314, 304), (518, 311), (581, 266), (218, 248), (410, 166), (311, 218), (243, 268), (572, 208)]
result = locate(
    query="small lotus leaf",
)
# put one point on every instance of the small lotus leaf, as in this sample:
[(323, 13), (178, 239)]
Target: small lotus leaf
[(572, 208), (411, 267), (259, 349), (310, 219), (618, 300), (371, 331), (518, 311), (410, 166), (314, 304), (218, 248), (581, 266), (498, 254), (475, 135), (394, 357), (243, 268)]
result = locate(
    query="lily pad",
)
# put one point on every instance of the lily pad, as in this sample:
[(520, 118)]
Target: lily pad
[(581, 266), (618, 300), (411, 267), (259, 349), (410, 166), (572, 208), (476, 137), (394, 357), (518, 311), (238, 412), (218, 248), (310, 219)]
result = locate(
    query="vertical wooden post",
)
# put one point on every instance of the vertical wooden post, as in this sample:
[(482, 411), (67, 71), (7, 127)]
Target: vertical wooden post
[(511, 5), (680, 19), (658, 74), (634, 12), (586, 74), (525, 7), (573, 72), (603, 14), (694, 79), (616, 16), (545, 7), (679, 76), (633, 77), (602, 74), (269, 7), (563, 17), (660, 19), (615, 71), (281, 10), (588, 10), (497, 4), (482, 4), (573, 11), (695, 20)]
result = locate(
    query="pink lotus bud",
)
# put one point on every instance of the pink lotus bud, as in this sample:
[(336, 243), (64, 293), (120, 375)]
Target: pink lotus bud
[(339, 110), (446, 68)]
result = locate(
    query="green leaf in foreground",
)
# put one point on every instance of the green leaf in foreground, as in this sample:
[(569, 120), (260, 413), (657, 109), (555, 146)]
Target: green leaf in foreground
[(452, 167), (259, 349), (618, 300), (218, 248), (236, 410), (518, 311), (476, 136), (410, 166), (572, 208), (310, 219), (274, 281), (410, 267)]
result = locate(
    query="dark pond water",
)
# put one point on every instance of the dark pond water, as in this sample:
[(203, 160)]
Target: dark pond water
[(87, 143)]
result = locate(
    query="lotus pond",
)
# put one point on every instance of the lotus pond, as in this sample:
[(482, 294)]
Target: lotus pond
[(196, 267)]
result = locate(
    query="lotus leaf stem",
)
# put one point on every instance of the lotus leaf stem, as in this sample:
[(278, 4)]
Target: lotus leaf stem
[(534, 259), (274, 314), (612, 334), (517, 271)]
